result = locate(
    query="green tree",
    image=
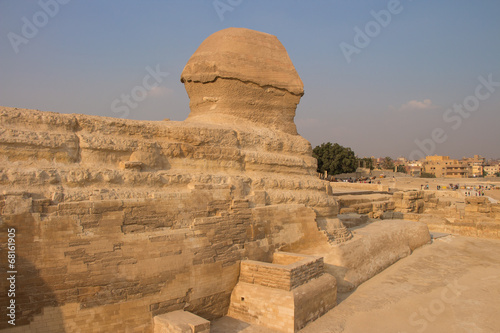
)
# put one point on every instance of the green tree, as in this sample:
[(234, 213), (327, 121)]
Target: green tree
[(367, 162), (497, 174), (335, 159), (388, 163), (401, 168)]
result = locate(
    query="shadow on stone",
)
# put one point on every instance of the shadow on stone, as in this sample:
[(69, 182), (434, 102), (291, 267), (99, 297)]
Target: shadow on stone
[(30, 291)]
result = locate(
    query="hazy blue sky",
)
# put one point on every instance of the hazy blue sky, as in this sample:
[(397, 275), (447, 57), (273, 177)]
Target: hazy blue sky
[(405, 72)]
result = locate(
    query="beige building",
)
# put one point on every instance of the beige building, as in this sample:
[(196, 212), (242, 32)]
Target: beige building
[(475, 164), (414, 170), (491, 170), (476, 170), (443, 166)]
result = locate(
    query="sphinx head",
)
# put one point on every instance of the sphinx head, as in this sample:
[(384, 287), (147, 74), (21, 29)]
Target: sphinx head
[(241, 76)]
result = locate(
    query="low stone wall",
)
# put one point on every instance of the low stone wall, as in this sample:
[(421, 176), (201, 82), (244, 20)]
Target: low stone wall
[(287, 272), (479, 218), (358, 186), (482, 205), (417, 201), (471, 227), (373, 205)]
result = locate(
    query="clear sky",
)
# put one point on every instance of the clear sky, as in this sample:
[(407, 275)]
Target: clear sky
[(381, 77)]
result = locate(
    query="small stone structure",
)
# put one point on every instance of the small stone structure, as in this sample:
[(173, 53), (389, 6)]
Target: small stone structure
[(335, 230), (283, 295), (180, 322)]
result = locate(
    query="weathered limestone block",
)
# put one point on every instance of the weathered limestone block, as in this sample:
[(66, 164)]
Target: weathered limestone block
[(16, 203), (443, 204), (353, 220), (412, 216), (488, 229), (373, 205), (180, 322), (348, 210), (428, 196), (397, 195), (411, 201), (43, 145), (380, 205), (477, 201), (392, 215), (495, 211), (270, 307), (363, 208), (314, 299), (287, 271)]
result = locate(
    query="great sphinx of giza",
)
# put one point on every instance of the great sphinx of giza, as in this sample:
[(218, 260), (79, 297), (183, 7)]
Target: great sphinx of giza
[(118, 220)]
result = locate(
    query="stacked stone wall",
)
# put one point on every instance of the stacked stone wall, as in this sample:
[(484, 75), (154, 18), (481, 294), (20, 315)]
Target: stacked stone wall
[(286, 272)]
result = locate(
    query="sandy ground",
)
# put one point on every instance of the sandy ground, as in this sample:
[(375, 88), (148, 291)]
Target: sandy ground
[(451, 285), (495, 194)]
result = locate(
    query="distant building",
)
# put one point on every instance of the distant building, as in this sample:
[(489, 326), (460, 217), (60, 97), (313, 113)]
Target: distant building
[(414, 170), (443, 166), (492, 169), (475, 164), (475, 159)]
